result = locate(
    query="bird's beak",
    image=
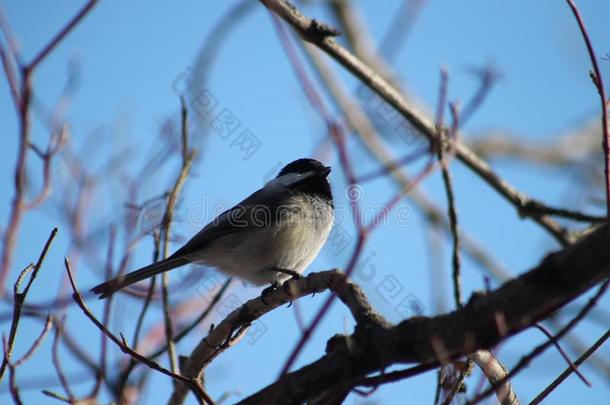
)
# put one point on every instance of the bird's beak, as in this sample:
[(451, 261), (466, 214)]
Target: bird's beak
[(326, 171)]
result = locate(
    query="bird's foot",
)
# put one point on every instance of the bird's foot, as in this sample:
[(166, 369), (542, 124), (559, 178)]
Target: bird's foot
[(293, 274), (285, 285), (265, 293)]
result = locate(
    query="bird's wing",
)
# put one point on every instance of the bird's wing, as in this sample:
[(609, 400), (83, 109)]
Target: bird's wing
[(258, 209)]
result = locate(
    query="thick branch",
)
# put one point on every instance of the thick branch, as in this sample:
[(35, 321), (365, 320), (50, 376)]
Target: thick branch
[(222, 336), (482, 323)]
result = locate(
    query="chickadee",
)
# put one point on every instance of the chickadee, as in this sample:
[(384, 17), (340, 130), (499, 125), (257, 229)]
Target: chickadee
[(273, 234)]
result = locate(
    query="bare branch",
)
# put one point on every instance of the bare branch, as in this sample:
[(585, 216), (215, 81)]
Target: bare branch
[(82, 13), (525, 360), (563, 353), (37, 342), (598, 80), (193, 384), (311, 31), (362, 126), (219, 337), (19, 299), (523, 301), (57, 363), (496, 375), (172, 199), (569, 370)]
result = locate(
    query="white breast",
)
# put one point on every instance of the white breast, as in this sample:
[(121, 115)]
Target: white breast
[(290, 240)]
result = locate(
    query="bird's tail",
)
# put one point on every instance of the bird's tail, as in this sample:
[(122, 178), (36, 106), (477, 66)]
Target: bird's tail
[(111, 286)]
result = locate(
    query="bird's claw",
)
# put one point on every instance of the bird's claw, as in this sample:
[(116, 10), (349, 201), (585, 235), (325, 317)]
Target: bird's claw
[(265, 293), (285, 285)]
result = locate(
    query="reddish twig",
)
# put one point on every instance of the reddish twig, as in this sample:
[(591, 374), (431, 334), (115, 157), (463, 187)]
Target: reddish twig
[(14, 390), (61, 34), (487, 77), (9, 36), (336, 131), (321, 36), (388, 167), (57, 363), (193, 384), (306, 84), (596, 75), (570, 369), (363, 232), (37, 342), (18, 205), (55, 143), (10, 78), (563, 353), (400, 27), (101, 374)]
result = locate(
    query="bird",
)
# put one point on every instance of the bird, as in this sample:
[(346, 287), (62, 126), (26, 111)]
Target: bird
[(267, 238)]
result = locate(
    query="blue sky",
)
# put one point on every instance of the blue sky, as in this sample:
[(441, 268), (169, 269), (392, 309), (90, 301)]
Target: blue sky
[(130, 55)]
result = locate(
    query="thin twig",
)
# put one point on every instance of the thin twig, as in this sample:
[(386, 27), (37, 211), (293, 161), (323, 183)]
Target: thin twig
[(14, 390), (57, 396), (124, 377), (56, 361), (19, 298), (180, 335), (321, 36), (459, 382), (448, 183), (563, 353), (187, 160), (37, 342), (82, 13), (10, 77), (336, 131), (363, 128), (101, 375), (596, 75), (55, 143), (487, 78), (9, 37), (569, 370), (193, 384), (18, 205)]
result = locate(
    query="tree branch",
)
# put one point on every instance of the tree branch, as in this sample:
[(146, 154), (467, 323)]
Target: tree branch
[(558, 279), (322, 35), (19, 299), (193, 384), (220, 337)]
